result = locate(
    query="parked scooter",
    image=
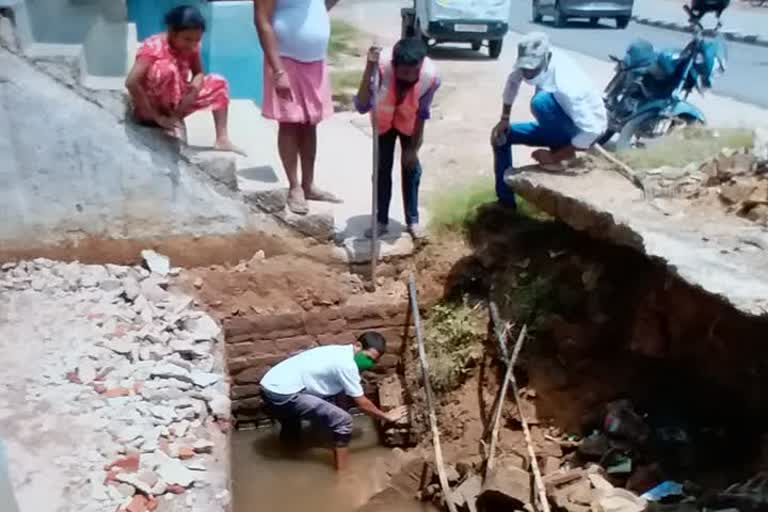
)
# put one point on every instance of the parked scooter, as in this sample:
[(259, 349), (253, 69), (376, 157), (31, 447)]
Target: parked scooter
[(648, 95)]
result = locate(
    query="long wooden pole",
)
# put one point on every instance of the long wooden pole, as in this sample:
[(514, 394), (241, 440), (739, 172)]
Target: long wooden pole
[(622, 168), (543, 502), (375, 180), (430, 398), (500, 399)]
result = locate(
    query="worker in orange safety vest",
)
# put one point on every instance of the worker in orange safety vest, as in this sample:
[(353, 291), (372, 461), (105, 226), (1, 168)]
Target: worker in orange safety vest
[(407, 84)]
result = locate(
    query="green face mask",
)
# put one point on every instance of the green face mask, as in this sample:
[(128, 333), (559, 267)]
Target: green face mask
[(364, 361)]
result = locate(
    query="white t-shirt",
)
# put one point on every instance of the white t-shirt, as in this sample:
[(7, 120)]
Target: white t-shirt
[(576, 93), (302, 28), (322, 371)]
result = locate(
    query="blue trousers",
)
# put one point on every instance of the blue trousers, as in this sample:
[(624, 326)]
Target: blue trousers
[(410, 178), (552, 129)]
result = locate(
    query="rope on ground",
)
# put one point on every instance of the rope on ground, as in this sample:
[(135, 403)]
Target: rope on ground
[(500, 399), (622, 168), (439, 462)]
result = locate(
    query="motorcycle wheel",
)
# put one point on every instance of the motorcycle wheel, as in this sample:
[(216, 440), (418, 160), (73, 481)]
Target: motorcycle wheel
[(535, 13), (560, 20), (637, 129)]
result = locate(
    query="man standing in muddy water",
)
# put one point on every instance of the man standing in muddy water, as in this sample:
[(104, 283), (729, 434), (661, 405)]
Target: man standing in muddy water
[(300, 388)]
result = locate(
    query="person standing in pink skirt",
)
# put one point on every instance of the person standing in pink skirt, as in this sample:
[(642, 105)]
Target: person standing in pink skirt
[(294, 35)]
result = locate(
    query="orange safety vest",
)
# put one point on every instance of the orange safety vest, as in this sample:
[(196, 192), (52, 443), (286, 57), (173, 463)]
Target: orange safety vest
[(401, 116)]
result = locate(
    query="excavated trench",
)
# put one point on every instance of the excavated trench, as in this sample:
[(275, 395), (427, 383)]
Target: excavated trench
[(607, 324), (610, 325)]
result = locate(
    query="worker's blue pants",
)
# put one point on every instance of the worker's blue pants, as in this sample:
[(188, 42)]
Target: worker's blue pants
[(552, 129)]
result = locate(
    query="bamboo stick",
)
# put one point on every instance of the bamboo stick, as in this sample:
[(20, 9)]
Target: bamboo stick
[(500, 400), (622, 168), (439, 462), (538, 480), (375, 181)]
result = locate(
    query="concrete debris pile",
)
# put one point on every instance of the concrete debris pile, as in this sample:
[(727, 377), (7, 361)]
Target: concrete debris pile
[(120, 385), (736, 181)]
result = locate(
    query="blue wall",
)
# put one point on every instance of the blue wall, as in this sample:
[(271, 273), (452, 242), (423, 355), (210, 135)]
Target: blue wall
[(230, 46)]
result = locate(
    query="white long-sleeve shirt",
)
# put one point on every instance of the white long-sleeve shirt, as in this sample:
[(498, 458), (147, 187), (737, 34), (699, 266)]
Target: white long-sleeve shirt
[(574, 91)]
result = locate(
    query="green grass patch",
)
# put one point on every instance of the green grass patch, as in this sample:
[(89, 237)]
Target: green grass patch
[(456, 208), (454, 335), (689, 145), (345, 80), (344, 38)]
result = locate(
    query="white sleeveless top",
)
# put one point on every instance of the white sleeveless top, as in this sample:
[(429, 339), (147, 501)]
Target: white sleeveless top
[(303, 28)]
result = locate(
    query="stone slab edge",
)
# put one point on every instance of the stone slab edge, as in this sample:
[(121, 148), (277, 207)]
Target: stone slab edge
[(606, 226), (738, 37)]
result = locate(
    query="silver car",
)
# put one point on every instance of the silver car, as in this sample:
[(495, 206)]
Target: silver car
[(593, 10)]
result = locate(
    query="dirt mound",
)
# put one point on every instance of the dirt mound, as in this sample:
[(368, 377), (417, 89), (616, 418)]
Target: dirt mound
[(288, 282)]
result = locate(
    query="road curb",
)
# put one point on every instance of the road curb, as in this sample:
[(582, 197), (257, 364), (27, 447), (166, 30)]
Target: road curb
[(752, 39)]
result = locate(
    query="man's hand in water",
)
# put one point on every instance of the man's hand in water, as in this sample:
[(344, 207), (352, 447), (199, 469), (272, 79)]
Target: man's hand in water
[(397, 414)]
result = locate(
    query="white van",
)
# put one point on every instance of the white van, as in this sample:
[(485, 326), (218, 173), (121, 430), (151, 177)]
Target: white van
[(476, 22)]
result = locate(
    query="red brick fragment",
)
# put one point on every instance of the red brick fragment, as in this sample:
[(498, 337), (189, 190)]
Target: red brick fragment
[(138, 504), (129, 463)]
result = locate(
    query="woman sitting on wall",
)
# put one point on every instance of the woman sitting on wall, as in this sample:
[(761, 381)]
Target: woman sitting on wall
[(167, 82)]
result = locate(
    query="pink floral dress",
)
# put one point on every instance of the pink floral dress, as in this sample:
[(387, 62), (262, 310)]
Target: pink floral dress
[(168, 79)]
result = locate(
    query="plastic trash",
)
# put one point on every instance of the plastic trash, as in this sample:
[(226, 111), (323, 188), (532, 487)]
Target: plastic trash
[(664, 490), (621, 466)]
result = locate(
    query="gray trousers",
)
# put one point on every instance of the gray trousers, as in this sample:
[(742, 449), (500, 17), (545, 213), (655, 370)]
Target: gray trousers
[(289, 410)]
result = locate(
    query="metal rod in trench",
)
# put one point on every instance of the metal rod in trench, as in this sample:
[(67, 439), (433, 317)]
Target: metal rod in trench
[(375, 178), (430, 398)]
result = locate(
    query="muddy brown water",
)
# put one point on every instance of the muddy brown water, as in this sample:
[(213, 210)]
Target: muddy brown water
[(270, 476)]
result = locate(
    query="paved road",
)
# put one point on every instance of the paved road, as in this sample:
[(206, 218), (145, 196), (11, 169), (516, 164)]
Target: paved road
[(744, 80)]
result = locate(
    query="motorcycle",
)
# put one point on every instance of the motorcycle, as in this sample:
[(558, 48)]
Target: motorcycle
[(648, 94)]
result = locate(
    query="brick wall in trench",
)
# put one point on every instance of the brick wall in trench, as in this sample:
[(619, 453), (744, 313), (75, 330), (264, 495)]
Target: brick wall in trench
[(255, 343)]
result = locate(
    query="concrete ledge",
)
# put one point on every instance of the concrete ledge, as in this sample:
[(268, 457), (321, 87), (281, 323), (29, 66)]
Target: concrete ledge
[(724, 256), (738, 37), (358, 250)]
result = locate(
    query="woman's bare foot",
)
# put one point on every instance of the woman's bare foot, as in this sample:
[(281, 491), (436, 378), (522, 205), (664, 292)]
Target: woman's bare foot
[(297, 203), (226, 145), (315, 194)]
